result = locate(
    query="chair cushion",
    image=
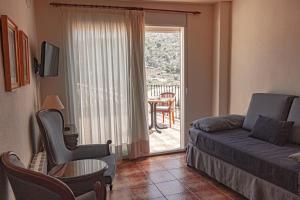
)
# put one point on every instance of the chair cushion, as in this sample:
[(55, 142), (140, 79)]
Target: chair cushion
[(294, 116), (272, 130), (162, 108), (276, 106)]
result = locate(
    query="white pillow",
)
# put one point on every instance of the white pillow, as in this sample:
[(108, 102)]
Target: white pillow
[(295, 157)]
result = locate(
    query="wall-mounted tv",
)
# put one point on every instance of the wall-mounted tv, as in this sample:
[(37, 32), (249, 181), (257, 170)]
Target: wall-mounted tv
[(49, 60)]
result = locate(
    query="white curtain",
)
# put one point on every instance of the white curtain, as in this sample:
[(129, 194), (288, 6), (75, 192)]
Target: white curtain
[(104, 56)]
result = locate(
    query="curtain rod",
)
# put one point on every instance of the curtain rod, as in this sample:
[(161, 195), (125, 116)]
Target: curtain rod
[(122, 8)]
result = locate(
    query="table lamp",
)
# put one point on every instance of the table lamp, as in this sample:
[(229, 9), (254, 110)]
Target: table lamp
[(52, 101)]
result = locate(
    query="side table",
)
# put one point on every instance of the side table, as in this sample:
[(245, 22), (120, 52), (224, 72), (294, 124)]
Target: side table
[(81, 175), (70, 136)]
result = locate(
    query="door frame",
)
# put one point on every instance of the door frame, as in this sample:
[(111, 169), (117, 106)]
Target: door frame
[(183, 89)]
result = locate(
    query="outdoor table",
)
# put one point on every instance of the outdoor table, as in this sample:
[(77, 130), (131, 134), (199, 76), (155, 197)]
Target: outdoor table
[(154, 126)]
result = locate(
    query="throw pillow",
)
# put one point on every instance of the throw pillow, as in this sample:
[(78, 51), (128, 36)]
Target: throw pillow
[(272, 130), (212, 124)]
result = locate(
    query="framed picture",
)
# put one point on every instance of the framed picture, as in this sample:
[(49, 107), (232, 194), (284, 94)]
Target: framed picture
[(10, 53), (24, 59)]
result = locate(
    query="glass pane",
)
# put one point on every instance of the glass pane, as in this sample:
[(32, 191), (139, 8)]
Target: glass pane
[(24, 59), (12, 56)]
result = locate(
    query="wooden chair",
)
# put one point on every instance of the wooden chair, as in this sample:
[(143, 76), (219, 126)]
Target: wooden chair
[(32, 185), (167, 107)]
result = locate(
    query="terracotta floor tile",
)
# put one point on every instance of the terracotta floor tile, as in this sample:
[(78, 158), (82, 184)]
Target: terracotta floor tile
[(151, 166), (177, 155), (134, 180), (193, 179), (126, 165), (182, 172), (120, 182), (159, 198), (173, 164), (171, 187), (119, 194), (146, 192), (211, 194), (130, 172), (139, 180), (183, 196), (199, 186), (161, 176)]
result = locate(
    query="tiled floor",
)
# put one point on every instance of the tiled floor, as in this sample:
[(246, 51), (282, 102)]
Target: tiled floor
[(165, 177), (168, 139)]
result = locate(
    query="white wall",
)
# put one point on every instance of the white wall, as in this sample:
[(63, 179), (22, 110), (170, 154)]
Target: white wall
[(265, 50), (199, 47), (17, 108)]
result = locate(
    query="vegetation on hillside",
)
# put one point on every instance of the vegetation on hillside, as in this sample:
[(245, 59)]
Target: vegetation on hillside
[(163, 58)]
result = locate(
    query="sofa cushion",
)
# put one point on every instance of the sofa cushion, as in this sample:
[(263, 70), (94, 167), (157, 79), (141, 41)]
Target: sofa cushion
[(294, 116), (212, 124), (272, 130), (276, 106)]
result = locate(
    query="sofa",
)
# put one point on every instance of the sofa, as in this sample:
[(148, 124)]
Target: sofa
[(255, 168)]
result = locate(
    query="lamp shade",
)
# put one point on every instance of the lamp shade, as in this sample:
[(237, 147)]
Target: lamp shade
[(53, 101)]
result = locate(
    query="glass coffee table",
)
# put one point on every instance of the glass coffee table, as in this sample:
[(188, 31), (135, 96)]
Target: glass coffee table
[(81, 175)]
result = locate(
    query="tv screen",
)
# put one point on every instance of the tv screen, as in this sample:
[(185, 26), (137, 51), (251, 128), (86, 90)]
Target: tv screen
[(49, 60)]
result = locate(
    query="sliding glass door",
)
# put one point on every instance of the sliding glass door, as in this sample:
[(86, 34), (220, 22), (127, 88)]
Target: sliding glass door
[(164, 58)]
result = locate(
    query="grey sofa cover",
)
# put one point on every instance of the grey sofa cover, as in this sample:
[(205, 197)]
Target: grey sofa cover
[(276, 106), (250, 186), (294, 116), (262, 159)]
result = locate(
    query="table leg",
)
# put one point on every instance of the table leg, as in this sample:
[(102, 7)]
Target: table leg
[(152, 127), (154, 119), (151, 120)]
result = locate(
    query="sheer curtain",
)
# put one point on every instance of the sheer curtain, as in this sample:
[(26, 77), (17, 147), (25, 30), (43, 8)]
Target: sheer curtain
[(104, 56)]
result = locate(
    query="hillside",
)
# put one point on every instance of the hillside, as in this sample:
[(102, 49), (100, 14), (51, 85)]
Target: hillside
[(163, 58)]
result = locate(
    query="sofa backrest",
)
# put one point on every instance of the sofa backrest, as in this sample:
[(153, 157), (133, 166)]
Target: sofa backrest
[(276, 106), (294, 116)]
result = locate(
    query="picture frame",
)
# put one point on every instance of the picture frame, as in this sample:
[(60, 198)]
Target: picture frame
[(9, 32), (24, 58)]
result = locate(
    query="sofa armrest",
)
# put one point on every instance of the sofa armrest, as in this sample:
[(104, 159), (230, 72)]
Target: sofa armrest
[(91, 151)]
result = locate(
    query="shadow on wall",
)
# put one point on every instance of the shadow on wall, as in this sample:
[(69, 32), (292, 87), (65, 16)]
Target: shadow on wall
[(36, 143)]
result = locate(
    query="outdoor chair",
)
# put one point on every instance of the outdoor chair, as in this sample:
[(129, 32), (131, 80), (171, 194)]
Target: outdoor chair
[(167, 107)]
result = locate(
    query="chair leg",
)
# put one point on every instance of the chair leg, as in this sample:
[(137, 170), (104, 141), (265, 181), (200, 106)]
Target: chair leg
[(173, 117), (110, 187), (163, 115), (170, 119)]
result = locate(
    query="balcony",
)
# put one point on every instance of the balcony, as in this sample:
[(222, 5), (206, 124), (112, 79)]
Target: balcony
[(169, 138)]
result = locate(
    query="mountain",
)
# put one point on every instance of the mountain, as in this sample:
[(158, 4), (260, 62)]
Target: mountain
[(163, 57)]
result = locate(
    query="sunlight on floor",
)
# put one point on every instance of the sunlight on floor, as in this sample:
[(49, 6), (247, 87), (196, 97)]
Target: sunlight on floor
[(168, 139)]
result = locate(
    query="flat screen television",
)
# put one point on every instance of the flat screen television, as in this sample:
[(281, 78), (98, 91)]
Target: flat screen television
[(49, 60)]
